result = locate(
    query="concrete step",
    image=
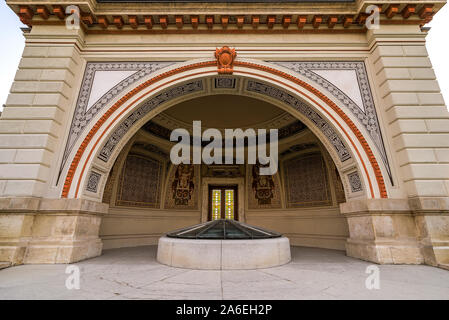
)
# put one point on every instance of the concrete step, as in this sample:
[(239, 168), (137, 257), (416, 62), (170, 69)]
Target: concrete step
[(4, 265)]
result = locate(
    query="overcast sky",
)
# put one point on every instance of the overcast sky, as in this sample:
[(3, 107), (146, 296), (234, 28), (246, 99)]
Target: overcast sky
[(13, 42)]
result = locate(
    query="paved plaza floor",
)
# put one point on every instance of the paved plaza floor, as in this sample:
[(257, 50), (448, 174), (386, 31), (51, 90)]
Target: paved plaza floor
[(134, 273)]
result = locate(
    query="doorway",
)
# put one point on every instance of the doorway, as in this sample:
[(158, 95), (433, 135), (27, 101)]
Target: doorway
[(223, 202)]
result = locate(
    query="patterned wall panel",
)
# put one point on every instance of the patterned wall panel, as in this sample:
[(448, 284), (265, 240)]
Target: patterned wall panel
[(307, 182), (355, 182), (183, 187), (263, 190), (93, 181), (140, 182)]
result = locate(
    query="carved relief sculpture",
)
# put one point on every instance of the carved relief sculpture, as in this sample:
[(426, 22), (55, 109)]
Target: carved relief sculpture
[(263, 186), (225, 60), (183, 185)]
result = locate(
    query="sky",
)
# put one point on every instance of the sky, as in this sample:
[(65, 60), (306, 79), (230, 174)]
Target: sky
[(13, 42)]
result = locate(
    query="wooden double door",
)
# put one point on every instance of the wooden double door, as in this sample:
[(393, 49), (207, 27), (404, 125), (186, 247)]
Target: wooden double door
[(223, 202)]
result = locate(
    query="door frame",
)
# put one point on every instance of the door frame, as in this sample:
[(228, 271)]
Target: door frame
[(223, 187), (239, 182)]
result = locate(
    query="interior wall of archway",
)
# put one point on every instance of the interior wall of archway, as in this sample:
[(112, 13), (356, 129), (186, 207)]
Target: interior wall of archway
[(135, 219)]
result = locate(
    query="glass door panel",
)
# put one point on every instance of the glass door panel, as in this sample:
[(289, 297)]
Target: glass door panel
[(216, 204), (229, 204), (222, 202)]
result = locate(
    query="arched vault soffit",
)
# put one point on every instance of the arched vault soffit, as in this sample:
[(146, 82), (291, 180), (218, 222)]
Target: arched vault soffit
[(97, 104)]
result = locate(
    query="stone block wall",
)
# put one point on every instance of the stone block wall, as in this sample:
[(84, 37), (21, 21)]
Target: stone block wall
[(411, 226), (416, 123), (34, 121)]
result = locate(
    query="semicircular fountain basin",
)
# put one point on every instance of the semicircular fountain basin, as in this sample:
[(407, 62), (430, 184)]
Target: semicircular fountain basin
[(223, 245)]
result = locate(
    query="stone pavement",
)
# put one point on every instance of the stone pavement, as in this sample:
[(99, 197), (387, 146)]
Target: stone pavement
[(134, 273)]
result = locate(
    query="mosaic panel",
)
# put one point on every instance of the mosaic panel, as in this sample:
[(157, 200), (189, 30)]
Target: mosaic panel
[(140, 182), (355, 182), (307, 183), (224, 83)]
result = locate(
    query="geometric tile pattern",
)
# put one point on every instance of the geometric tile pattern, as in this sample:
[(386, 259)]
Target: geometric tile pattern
[(307, 181), (140, 182)]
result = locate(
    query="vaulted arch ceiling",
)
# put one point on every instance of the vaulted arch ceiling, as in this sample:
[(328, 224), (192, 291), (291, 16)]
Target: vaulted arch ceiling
[(227, 111)]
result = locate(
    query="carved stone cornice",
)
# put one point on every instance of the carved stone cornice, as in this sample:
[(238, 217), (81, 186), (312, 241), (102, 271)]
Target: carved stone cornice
[(219, 17)]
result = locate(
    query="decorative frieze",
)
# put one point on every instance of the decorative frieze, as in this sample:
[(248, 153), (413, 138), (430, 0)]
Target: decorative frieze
[(224, 83), (215, 19)]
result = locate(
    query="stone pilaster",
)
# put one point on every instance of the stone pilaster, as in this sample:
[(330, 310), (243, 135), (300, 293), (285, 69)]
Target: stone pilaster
[(415, 116), (382, 231), (416, 123), (16, 220), (32, 133), (37, 112), (49, 230), (432, 222)]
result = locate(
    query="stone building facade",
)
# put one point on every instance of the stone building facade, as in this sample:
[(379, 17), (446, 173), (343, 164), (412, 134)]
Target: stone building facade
[(363, 128)]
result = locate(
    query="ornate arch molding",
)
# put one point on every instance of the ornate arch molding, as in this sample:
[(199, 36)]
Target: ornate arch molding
[(241, 68), (125, 75), (360, 103)]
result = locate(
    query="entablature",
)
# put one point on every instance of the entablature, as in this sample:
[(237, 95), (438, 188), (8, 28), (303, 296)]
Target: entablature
[(261, 16)]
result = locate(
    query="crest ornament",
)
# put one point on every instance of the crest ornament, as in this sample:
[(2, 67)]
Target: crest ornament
[(225, 60)]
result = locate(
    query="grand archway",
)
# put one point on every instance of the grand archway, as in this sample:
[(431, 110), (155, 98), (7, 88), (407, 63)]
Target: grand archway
[(82, 98), (334, 126), (345, 138), (148, 195), (342, 140)]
